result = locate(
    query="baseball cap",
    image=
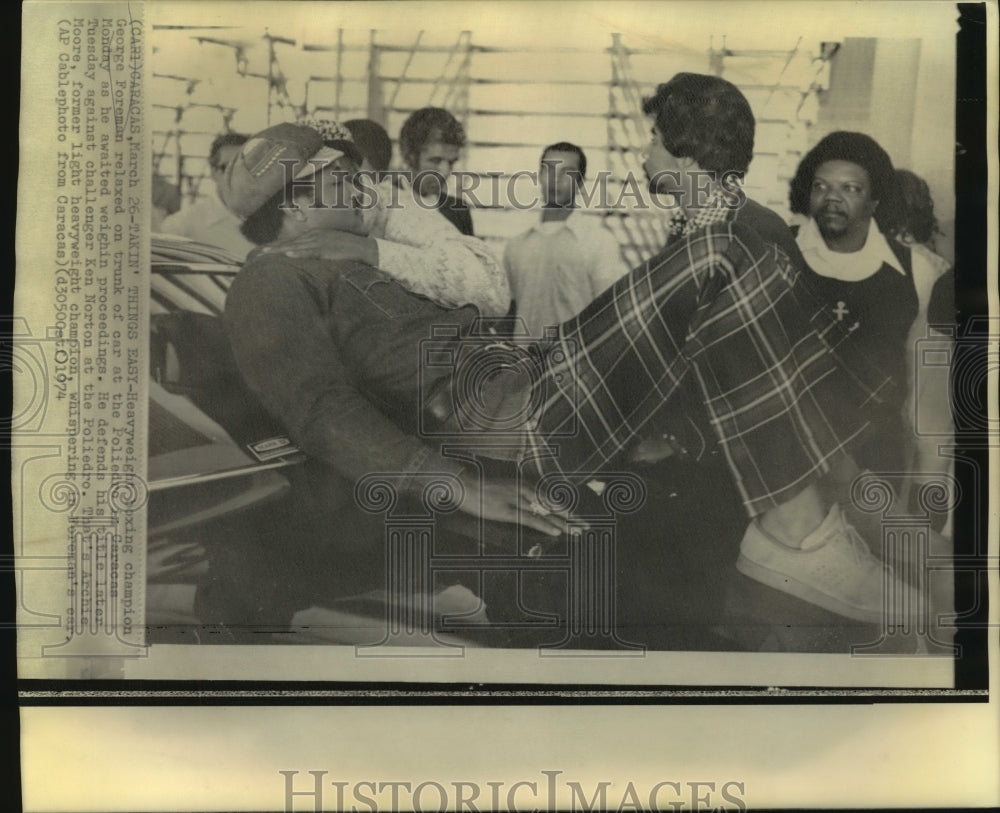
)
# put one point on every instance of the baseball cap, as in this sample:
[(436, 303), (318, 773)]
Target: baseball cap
[(258, 172)]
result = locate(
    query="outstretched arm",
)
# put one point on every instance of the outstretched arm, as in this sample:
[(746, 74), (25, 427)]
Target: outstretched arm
[(422, 251), (455, 270)]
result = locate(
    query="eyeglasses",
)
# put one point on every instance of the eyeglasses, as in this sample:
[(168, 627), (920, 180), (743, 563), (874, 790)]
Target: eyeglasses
[(219, 167)]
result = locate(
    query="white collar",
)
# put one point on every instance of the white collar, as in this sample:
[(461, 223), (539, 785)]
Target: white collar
[(575, 224), (852, 266)]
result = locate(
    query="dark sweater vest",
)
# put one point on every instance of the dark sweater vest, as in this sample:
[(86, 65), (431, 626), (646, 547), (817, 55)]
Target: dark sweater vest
[(878, 311)]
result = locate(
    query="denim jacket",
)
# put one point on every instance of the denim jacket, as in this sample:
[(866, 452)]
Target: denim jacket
[(332, 349)]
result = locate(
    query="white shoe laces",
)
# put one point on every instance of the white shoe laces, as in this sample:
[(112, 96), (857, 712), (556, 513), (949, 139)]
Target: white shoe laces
[(859, 548)]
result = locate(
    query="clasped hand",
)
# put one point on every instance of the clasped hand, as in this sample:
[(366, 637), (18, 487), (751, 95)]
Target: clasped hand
[(510, 501)]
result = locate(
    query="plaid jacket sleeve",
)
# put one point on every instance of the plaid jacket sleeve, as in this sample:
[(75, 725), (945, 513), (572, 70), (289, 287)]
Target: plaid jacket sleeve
[(779, 386)]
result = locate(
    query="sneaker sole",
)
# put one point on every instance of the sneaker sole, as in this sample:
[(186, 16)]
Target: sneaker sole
[(786, 584)]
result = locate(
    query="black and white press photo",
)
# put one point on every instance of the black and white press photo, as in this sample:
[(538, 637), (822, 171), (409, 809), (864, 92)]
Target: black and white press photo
[(590, 372), (443, 352)]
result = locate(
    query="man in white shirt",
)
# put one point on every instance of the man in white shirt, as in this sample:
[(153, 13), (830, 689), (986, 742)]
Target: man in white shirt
[(559, 266), (208, 220)]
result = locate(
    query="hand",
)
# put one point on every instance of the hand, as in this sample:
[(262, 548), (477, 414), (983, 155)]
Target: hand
[(328, 244), (653, 450), (506, 501)]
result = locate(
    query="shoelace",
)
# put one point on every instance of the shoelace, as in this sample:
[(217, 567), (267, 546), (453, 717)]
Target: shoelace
[(862, 553)]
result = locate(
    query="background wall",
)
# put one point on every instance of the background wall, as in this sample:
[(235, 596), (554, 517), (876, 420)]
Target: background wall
[(515, 98)]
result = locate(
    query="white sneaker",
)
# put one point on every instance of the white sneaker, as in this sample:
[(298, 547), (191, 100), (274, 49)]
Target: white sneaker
[(834, 569)]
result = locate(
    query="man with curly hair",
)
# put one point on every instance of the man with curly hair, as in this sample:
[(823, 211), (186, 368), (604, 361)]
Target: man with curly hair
[(430, 142)]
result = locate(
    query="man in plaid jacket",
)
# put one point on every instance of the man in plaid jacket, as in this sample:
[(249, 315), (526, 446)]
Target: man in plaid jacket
[(712, 341)]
